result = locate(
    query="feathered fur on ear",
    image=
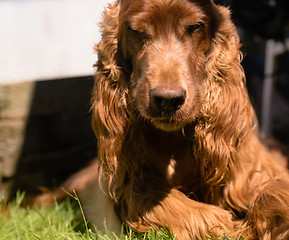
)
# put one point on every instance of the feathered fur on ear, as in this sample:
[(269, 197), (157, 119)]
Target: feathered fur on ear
[(109, 118), (226, 115)]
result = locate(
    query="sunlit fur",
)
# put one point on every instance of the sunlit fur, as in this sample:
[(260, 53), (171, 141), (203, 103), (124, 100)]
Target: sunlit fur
[(202, 171)]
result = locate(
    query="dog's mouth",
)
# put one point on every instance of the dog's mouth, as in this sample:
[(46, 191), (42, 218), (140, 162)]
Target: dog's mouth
[(168, 124)]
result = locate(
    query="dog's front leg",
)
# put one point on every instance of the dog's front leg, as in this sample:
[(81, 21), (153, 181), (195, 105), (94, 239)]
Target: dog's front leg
[(154, 205)]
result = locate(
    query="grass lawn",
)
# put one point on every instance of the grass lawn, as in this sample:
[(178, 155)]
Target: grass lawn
[(58, 222)]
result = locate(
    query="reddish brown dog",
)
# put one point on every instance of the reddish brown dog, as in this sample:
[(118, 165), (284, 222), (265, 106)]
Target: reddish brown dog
[(177, 146)]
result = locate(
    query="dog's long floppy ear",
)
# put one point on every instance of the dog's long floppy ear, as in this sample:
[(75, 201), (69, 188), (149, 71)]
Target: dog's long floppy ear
[(225, 120), (109, 116)]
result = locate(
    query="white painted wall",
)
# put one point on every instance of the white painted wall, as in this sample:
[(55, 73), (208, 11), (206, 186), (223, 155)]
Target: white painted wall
[(47, 39)]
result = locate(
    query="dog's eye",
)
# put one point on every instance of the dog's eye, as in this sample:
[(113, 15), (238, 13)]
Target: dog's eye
[(191, 29), (136, 32), (133, 30)]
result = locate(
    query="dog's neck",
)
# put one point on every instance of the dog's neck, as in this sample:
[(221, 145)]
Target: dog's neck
[(166, 142)]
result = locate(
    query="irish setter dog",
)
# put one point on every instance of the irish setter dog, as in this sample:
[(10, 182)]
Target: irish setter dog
[(177, 146)]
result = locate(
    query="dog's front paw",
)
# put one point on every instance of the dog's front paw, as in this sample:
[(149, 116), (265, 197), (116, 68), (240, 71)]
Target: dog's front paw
[(218, 222), (204, 222)]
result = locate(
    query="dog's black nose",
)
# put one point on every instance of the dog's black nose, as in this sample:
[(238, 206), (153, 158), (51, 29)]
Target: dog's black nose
[(168, 100)]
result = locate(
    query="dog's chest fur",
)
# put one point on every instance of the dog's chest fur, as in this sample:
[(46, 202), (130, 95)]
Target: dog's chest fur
[(171, 156)]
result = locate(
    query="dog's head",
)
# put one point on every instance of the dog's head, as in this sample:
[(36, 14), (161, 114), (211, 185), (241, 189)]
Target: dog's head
[(170, 62), (164, 45)]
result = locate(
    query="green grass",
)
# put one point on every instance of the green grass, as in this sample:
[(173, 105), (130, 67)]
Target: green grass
[(55, 222), (59, 222)]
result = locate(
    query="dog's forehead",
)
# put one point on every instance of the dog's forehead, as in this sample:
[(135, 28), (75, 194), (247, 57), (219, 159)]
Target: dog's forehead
[(160, 11)]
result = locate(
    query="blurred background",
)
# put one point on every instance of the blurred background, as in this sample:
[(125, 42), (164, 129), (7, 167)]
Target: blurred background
[(46, 68), (46, 58)]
